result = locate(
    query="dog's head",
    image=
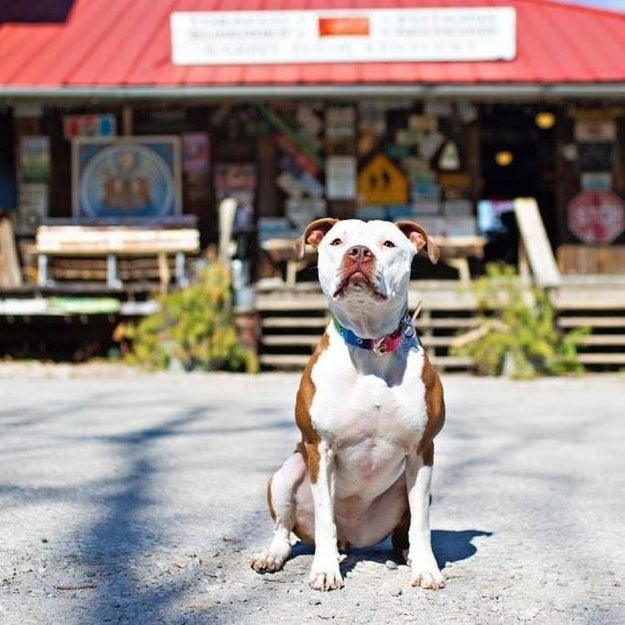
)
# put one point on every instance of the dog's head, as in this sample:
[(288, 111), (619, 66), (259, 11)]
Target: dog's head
[(366, 265)]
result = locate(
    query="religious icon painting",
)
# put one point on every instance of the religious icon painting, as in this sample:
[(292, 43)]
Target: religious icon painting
[(126, 178)]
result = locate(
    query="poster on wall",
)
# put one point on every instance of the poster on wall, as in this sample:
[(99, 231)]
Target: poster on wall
[(595, 130), (340, 122), (596, 156), (195, 152), (341, 177), (32, 208), (595, 143), (133, 177), (237, 181), (35, 158), (196, 164)]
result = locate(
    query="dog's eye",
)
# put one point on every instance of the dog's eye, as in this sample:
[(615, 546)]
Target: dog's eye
[(389, 244), (336, 241)]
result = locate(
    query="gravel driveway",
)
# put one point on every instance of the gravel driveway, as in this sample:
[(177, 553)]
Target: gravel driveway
[(135, 498)]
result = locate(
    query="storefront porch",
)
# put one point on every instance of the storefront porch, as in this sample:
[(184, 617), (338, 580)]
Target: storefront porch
[(131, 127)]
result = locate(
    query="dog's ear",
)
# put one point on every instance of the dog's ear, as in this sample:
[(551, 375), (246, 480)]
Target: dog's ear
[(419, 237), (314, 232)]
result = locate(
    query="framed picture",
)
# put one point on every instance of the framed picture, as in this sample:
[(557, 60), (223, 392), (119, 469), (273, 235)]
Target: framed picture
[(126, 178)]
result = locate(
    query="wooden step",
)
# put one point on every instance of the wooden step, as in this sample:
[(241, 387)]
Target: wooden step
[(298, 304), (446, 322), (604, 339), (294, 322), (436, 341), (451, 362), (602, 358), (598, 300), (444, 304), (310, 340), (313, 339), (283, 361), (321, 321), (592, 321), (292, 340)]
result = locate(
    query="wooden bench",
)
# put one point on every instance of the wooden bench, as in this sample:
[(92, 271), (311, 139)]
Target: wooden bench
[(456, 251), (113, 243)]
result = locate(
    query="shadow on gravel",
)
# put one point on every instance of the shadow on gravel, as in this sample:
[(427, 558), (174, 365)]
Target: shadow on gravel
[(451, 546), (115, 547), (448, 546)]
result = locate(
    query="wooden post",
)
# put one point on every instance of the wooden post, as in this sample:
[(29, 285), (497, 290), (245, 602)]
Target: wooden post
[(127, 121), (10, 272), (163, 272)]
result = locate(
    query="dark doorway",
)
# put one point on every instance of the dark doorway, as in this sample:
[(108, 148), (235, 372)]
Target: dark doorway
[(517, 160), (8, 189)]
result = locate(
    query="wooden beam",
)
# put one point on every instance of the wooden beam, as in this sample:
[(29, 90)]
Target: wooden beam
[(10, 271), (535, 253)]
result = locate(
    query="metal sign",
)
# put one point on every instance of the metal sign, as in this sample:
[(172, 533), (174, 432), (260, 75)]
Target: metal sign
[(381, 182), (596, 216)]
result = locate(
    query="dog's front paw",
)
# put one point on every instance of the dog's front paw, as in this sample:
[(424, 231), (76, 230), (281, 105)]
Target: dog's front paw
[(424, 571), (272, 559), (325, 575), (267, 562), (427, 577)]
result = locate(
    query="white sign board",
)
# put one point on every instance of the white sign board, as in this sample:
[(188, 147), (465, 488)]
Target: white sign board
[(341, 174), (336, 36)]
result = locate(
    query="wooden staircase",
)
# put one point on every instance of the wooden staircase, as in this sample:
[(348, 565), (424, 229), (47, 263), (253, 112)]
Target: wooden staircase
[(293, 320), (597, 303), (291, 324), (594, 301)]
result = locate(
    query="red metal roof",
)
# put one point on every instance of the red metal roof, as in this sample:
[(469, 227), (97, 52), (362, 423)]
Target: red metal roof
[(127, 44)]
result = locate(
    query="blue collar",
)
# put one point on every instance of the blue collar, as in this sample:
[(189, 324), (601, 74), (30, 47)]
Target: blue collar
[(405, 337)]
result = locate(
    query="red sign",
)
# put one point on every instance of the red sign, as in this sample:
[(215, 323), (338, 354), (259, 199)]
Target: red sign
[(596, 216), (344, 26), (89, 126)]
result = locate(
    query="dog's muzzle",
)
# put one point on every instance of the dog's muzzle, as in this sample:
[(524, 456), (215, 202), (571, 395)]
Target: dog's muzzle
[(358, 269)]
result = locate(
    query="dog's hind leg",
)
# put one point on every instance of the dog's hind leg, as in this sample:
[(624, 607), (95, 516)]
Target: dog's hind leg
[(281, 497), (400, 537)]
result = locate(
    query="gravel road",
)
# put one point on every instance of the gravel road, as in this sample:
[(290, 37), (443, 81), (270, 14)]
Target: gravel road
[(135, 498)]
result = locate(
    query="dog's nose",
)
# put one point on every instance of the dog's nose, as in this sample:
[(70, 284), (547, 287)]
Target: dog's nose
[(359, 253)]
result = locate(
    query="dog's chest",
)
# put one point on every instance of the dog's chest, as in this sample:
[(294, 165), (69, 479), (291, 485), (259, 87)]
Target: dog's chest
[(366, 402)]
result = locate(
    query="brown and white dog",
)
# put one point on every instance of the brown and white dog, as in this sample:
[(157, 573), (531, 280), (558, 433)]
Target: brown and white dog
[(368, 407)]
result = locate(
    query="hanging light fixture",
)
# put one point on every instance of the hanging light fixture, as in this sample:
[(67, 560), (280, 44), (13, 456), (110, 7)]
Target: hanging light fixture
[(545, 120), (503, 158)]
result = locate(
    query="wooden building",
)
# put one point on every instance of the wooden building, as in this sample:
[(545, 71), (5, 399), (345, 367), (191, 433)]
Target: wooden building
[(378, 108), (465, 103)]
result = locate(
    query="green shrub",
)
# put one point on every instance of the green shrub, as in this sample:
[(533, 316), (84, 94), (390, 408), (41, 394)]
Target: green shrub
[(517, 333), (194, 328)]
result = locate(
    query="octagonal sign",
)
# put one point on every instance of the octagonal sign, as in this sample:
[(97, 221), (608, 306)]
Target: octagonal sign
[(596, 216)]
